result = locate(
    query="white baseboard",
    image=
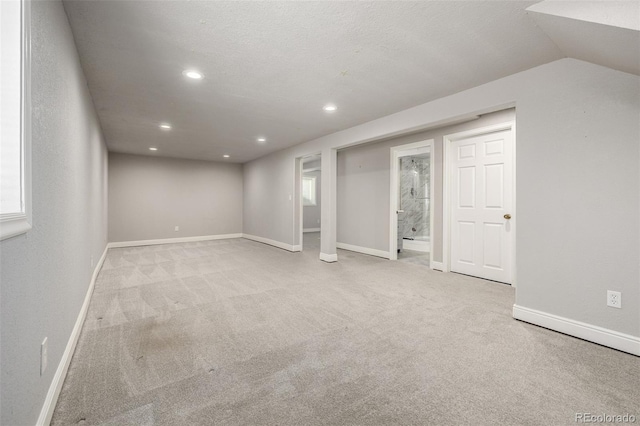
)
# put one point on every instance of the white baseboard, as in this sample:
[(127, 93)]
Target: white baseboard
[(438, 266), (61, 372), (603, 336), (416, 245), (311, 230), (274, 243), (364, 250), (329, 257), (172, 240), (297, 247)]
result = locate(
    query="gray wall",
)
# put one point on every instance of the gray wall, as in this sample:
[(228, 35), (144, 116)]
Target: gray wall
[(149, 196), (363, 185), (268, 200), (578, 184), (45, 274), (311, 214)]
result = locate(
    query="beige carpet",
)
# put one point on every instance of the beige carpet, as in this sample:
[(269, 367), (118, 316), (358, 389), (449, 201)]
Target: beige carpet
[(235, 332)]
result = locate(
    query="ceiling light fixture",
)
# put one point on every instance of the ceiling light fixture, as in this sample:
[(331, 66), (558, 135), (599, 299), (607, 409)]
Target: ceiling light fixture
[(226, 156), (330, 108), (262, 140), (192, 74), (153, 149), (165, 126)]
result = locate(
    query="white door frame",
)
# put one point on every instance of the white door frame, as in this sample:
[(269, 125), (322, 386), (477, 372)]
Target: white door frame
[(396, 153), (297, 204), (446, 193), (299, 170)]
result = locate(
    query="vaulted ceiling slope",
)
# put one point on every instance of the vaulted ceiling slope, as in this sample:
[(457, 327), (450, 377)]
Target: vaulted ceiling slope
[(602, 32), (269, 67)]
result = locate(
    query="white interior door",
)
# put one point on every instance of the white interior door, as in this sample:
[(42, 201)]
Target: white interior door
[(481, 205)]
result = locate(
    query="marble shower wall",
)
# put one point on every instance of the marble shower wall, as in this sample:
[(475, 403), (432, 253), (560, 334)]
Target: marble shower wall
[(414, 197)]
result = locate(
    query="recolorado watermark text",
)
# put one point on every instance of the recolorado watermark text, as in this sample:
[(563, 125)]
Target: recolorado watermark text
[(605, 418)]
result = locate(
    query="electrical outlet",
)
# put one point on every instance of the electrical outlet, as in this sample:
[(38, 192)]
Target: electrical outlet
[(177, 228), (43, 356), (614, 299)]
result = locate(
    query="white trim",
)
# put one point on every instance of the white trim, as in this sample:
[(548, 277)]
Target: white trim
[(58, 379), (446, 189), (329, 257), (298, 205), (297, 247), (312, 169), (437, 266), (602, 336), (27, 113), (395, 154), (446, 159), (13, 227), (172, 240), (432, 199), (363, 250), (514, 228), (417, 245), (284, 246), (298, 174)]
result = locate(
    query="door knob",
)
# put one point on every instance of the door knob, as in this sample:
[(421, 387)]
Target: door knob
[(399, 211), (507, 216)]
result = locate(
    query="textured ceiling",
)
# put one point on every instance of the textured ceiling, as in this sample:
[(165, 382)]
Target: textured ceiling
[(270, 66), (604, 33)]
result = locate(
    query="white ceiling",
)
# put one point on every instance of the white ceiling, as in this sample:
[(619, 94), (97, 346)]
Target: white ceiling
[(270, 66), (604, 33)]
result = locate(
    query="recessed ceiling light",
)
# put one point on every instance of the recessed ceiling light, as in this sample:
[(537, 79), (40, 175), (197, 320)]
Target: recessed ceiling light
[(330, 108), (153, 149), (262, 140), (226, 156), (193, 74), (165, 126)]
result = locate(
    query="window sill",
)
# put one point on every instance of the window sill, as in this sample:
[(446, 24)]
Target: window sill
[(13, 227)]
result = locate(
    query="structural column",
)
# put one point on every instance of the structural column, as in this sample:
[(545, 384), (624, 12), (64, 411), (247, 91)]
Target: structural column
[(328, 215)]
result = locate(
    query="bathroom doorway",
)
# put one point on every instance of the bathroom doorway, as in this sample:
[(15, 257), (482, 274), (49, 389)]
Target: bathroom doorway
[(411, 213)]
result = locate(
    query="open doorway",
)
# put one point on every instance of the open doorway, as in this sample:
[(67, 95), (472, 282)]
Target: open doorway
[(310, 196), (411, 215)]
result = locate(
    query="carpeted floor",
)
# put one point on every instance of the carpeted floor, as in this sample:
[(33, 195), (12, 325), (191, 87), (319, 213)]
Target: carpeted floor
[(235, 332)]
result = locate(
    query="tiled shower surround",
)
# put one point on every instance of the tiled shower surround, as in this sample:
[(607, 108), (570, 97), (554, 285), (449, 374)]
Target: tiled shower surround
[(414, 197)]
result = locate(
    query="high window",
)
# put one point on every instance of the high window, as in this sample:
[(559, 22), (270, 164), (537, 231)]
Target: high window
[(309, 191), (15, 118)]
